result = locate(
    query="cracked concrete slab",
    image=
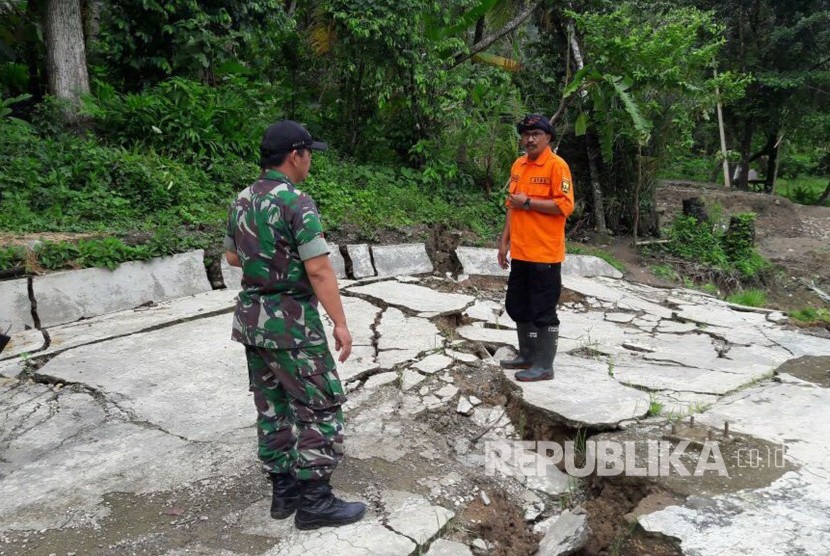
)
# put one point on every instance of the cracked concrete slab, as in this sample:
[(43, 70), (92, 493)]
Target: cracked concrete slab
[(24, 342), (443, 547), (15, 306), (414, 516), (403, 338), (118, 423), (361, 258), (123, 323), (788, 517), (589, 266), (415, 297), (582, 394), (149, 374), (368, 537)]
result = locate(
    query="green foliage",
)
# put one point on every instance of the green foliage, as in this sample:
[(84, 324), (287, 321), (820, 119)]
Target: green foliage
[(655, 408), (731, 251), (374, 198), (187, 120), (695, 241), (109, 252), (144, 41), (739, 240), (11, 257), (812, 316), (750, 298), (664, 272), (55, 255), (73, 183), (804, 190)]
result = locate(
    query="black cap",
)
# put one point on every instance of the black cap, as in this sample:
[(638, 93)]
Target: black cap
[(286, 136), (534, 121)]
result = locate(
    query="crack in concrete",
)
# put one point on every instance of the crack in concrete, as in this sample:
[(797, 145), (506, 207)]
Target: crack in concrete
[(104, 399), (18, 429)]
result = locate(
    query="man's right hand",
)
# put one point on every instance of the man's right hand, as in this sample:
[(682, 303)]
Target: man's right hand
[(504, 247), (342, 342)]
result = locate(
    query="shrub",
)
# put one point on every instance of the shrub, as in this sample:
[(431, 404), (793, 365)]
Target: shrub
[(186, 119), (11, 257)]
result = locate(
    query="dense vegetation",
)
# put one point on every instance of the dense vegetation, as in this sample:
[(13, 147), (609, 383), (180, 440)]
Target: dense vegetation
[(158, 122)]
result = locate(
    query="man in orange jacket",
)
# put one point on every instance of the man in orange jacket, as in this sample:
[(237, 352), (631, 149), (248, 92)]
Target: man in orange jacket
[(540, 200)]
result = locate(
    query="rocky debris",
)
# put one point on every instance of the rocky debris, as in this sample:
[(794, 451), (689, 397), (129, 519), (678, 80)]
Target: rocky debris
[(566, 534)]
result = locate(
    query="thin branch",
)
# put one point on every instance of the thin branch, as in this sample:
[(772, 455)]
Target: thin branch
[(490, 39)]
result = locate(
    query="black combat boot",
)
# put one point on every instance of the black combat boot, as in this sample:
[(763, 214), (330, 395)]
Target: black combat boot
[(542, 368), (286, 495), (320, 508), (527, 344)]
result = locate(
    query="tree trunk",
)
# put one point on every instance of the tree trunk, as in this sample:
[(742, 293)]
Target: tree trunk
[(746, 150), (594, 157), (824, 196), (594, 161), (65, 53), (92, 22), (772, 165)]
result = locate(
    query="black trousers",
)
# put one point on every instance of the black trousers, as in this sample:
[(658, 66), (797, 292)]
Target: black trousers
[(533, 291)]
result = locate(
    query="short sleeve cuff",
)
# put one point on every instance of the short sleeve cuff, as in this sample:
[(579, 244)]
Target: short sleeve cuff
[(313, 248), (229, 243)]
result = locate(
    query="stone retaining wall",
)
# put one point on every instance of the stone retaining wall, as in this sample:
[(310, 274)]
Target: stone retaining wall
[(65, 297)]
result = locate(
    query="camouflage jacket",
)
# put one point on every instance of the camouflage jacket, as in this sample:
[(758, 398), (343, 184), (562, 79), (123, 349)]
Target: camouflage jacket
[(273, 227)]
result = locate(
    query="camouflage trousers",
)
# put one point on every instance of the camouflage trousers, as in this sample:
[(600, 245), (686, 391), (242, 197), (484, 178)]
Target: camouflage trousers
[(299, 419)]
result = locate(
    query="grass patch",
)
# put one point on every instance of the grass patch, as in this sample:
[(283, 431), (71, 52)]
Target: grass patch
[(655, 408), (812, 316), (665, 272), (804, 190), (749, 298)]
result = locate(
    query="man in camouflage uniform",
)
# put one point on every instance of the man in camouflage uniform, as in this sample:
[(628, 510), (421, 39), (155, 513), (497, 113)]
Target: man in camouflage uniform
[(274, 234)]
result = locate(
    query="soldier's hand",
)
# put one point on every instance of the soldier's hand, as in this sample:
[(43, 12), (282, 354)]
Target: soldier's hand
[(342, 342)]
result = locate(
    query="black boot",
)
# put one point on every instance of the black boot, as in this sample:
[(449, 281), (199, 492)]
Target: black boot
[(286, 495), (527, 344), (542, 368), (320, 508)]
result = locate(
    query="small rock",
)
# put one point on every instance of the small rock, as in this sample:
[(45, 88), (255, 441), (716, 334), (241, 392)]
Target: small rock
[(424, 390), (475, 401), (464, 407), (447, 392), (485, 498)]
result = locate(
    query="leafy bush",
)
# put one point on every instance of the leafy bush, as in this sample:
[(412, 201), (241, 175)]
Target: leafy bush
[(373, 198), (11, 257), (732, 251), (695, 241), (73, 183), (186, 119)]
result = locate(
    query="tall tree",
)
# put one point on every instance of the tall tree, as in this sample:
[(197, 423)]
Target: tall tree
[(65, 52)]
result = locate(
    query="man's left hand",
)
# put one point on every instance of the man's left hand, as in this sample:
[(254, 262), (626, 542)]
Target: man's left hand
[(517, 200)]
